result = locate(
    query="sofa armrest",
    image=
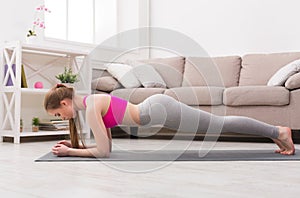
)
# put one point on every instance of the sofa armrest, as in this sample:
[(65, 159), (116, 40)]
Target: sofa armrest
[(294, 109)]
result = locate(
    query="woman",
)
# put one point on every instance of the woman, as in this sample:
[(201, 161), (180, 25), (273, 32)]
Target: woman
[(104, 111)]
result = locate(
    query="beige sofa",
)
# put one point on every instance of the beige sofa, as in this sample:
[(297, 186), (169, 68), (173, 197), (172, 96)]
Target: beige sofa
[(229, 85)]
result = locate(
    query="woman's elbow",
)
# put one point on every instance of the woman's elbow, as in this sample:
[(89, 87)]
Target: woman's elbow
[(102, 154), (106, 154)]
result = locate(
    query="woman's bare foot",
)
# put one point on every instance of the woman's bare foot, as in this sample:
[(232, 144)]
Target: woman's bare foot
[(285, 141), (281, 147)]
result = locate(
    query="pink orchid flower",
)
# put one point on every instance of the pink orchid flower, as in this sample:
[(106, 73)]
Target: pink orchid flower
[(42, 8), (37, 21)]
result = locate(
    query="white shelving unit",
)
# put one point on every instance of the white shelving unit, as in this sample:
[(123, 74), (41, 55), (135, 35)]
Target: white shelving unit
[(40, 63)]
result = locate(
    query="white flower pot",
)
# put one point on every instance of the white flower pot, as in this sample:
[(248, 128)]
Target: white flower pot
[(72, 85), (31, 39)]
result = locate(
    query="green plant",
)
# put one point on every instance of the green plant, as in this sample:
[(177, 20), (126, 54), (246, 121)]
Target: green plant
[(35, 121), (67, 76)]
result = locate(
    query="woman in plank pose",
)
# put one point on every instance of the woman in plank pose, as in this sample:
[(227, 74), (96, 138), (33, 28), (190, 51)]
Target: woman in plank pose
[(104, 111)]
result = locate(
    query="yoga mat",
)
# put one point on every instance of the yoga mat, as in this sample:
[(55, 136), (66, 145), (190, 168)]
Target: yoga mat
[(189, 155)]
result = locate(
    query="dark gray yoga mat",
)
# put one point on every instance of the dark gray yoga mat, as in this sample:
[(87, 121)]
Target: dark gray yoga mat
[(189, 155)]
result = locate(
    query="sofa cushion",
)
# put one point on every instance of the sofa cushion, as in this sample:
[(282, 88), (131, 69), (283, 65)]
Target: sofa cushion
[(147, 75), (256, 95), (105, 83), (124, 74), (218, 71), (293, 82), (195, 96), (137, 95), (257, 69), (97, 73), (279, 78), (170, 69)]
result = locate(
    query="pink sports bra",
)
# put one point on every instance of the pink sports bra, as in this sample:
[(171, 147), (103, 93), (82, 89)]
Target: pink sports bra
[(115, 112)]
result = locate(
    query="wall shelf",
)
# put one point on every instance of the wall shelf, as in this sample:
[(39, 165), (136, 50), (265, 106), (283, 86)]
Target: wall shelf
[(40, 63)]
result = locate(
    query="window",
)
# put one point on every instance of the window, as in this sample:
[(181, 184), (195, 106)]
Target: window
[(85, 21)]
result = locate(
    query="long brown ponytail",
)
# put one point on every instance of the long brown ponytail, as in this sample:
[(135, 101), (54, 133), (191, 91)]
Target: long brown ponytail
[(52, 101), (73, 133), (74, 126)]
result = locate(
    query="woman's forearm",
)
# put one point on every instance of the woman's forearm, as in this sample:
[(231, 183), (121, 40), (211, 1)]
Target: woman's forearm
[(94, 146), (88, 152), (88, 146)]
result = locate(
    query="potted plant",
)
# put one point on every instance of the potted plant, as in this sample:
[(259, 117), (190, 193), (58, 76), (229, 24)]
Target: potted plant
[(35, 124), (67, 76)]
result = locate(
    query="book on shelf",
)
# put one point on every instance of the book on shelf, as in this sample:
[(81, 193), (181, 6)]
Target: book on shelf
[(23, 78), (54, 125), (10, 80)]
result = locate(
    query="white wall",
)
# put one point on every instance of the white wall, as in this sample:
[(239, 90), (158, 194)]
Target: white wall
[(221, 27), (128, 14), (227, 27), (16, 18)]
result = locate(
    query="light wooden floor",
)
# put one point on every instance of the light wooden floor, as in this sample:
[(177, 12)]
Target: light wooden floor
[(20, 176)]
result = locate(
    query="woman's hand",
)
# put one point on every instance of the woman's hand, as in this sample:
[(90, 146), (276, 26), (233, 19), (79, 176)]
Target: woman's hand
[(60, 150), (66, 143)]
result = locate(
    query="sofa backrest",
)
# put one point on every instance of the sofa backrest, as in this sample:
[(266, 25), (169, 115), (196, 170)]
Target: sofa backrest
[(257, 69), (170, 69), (216, 71)]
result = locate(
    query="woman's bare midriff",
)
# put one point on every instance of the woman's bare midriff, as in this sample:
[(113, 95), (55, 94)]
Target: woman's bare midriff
[(132, 115)]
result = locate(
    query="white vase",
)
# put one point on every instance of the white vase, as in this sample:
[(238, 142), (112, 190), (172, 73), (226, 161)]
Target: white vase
[(72, 85), (31, 39)]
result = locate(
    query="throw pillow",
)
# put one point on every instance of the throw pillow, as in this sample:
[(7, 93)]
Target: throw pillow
[(293, 82), (105, 83), (148, 76), (284, 73), (124, 74)]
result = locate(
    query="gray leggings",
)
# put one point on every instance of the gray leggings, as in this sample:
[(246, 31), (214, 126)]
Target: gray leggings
[(165, 111)]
